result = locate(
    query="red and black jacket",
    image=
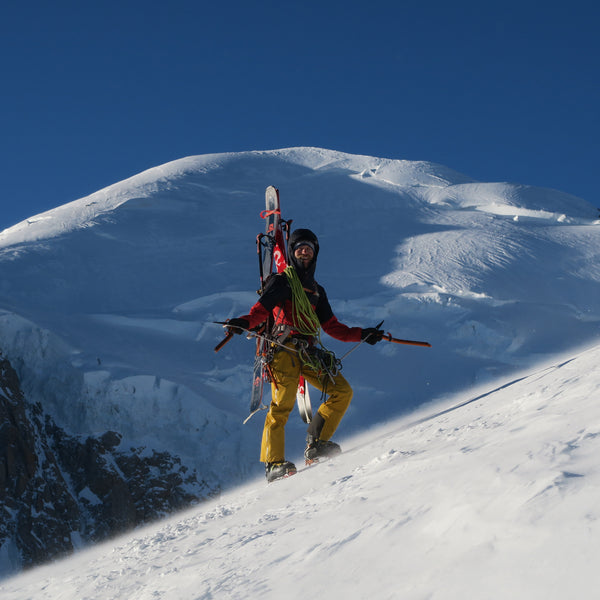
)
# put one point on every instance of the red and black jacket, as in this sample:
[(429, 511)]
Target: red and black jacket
[(277, 300)]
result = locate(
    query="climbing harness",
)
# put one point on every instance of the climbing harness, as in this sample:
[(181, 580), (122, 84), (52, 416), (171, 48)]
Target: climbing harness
[(308, 343)]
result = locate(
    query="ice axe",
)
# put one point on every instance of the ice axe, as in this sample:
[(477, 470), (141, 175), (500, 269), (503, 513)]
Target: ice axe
[(257, 332), (228, 336), (388, 337), (359, 343)]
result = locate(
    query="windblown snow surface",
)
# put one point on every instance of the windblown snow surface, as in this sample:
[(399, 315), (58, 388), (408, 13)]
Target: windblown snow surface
[(468, 467)]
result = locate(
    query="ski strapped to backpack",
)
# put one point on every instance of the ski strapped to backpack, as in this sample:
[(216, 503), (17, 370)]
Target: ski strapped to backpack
[(271, 250), (271, 247)]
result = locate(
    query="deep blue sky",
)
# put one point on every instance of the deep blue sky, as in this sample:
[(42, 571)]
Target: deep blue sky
[(93, 93)]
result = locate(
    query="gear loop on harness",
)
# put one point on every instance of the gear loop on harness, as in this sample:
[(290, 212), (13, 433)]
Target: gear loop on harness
[(320, 360)]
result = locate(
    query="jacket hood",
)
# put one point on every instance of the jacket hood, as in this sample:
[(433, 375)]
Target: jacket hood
[(303, 235)]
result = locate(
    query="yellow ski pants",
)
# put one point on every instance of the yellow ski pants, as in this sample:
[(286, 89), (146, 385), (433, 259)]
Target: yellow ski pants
[(286, 368)]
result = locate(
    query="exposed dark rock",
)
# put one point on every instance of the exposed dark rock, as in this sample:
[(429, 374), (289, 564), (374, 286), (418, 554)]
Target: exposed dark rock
[(57, 488)]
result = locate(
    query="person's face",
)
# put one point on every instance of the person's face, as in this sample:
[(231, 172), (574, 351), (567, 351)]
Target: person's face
[(304, 254)]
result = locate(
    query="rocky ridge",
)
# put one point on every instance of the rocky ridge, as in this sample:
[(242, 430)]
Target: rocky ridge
[(59, 492)]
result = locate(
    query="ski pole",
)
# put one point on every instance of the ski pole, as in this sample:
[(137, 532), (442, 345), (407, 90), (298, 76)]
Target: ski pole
[(229, 335), (388, 337), (359, 343)]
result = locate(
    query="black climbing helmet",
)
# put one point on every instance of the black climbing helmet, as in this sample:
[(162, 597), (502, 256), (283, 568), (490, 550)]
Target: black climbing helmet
[(302, 235)]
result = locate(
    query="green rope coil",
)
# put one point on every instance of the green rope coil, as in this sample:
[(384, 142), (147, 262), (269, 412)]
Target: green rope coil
[(304, 316), (306, 322)]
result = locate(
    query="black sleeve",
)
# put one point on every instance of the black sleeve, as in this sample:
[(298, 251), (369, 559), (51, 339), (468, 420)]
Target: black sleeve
[(323, 309)]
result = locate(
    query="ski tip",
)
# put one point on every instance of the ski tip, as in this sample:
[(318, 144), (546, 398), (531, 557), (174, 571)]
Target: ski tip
[(261, 407)]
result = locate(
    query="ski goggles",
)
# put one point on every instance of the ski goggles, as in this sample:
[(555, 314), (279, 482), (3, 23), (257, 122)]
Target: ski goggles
[(304, 243)]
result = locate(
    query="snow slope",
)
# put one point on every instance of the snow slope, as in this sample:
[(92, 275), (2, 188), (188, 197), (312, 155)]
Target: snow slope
[(492, 493), (107, 303)]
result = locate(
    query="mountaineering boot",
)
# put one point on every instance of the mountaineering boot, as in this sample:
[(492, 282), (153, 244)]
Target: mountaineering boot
[(316, 449), (279, 470)]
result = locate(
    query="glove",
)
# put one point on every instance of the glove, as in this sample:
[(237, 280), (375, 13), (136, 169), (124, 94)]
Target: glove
[(371, 335), (237, 325)]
